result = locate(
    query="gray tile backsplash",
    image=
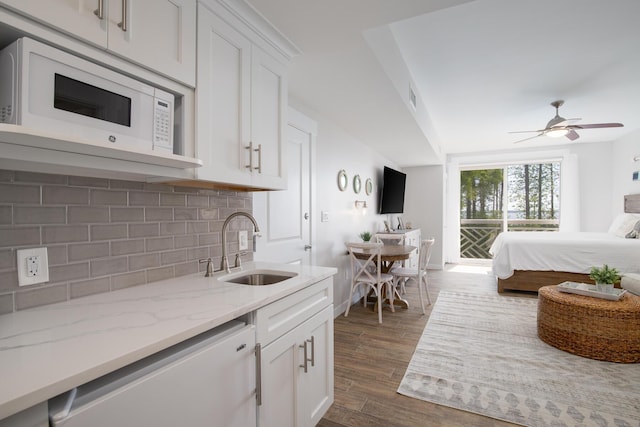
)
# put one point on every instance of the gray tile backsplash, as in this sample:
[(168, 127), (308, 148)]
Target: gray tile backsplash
[(103, 235)]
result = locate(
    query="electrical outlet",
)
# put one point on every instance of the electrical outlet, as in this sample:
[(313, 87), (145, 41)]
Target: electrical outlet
[(33, 266), (243, 241)]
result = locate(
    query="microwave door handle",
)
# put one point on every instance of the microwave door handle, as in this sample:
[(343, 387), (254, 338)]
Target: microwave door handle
[(123, 23), (99, 12)]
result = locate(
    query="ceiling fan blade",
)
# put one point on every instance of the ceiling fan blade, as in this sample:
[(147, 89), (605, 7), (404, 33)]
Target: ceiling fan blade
[(526, 139), (597, 125), (572, 135), (527, 131), (567, 122)]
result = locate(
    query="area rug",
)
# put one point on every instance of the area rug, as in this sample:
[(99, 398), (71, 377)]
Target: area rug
[(480, 353)]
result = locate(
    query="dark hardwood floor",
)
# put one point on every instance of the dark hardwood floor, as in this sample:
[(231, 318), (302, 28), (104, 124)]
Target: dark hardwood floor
[(371, 359)]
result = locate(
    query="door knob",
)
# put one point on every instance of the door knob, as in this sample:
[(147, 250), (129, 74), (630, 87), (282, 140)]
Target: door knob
[(307, 247), (306, 215)]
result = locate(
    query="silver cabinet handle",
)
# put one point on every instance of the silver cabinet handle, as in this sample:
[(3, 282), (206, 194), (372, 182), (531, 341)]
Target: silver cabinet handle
[(99, 12), (306, 354), (304, 365), (250, 148), (123, 23), (259, 150), (258, 374)]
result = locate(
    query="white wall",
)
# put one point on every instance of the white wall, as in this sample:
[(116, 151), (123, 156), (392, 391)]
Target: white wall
[(624, 150), (336, 150), (424, 206), (596, 182)]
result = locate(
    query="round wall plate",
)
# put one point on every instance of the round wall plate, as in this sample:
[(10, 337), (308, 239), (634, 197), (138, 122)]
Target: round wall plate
[(357, 184), (343, 181), (368, 186)]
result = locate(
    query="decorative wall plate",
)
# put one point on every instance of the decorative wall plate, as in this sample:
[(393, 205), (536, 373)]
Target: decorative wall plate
[(343, 181), (368, 186), (357, 184)]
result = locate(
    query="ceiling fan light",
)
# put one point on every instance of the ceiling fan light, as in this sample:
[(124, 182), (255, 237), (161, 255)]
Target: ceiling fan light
[(557, 133)]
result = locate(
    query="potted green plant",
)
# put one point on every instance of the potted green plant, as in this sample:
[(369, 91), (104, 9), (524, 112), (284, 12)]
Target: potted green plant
[(365, 236), (605, 277)]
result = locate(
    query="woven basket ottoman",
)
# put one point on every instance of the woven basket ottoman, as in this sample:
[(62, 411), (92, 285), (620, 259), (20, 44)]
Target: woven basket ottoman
[(590, 327)]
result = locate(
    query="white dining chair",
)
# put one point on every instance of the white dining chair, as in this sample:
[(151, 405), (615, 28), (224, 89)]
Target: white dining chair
[(366, 273), (390, 238), (401, 274)]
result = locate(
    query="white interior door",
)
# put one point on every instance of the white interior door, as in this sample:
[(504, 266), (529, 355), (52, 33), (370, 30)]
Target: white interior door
[(284, 216)]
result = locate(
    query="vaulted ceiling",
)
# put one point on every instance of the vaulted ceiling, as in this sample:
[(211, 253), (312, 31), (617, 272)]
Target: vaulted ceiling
[(479, 69)]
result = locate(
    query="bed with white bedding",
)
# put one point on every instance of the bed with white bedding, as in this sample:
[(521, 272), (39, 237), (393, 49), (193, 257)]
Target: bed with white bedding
[(530, 260)]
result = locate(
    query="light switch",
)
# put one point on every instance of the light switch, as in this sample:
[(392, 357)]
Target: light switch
[(324, 216)]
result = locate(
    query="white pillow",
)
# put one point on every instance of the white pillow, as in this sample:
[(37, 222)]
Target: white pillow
[(623, 224), (631, 282)]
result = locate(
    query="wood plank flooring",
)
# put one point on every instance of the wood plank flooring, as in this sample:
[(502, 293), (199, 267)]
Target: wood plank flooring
[(370, 360)]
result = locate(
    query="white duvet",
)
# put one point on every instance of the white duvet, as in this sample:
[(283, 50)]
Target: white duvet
[(563, 251)]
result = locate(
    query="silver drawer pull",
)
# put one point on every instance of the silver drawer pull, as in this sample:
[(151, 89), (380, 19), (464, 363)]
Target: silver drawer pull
[(250, 148), (123, 23), (313, 350), (304, 365), (99, 12), (258, 374), (259, 150)]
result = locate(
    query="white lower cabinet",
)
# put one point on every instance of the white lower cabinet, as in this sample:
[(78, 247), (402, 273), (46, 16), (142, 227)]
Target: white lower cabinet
[(297, 391), (297, 360), (219, 378)]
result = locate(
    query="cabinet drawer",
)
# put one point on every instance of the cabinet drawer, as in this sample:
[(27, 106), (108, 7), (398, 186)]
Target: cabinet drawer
[(278, 318)]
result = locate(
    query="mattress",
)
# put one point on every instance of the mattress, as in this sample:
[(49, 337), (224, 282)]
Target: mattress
[(573, 252)]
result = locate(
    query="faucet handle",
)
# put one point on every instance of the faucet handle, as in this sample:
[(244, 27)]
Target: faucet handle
[(238, 259), (209, 271)]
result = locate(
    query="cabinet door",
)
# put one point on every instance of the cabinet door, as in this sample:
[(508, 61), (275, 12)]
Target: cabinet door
[(290, 396), (75, 17), (159, 34), (316, 385), (268, 109), (223, 101), (280, 372)]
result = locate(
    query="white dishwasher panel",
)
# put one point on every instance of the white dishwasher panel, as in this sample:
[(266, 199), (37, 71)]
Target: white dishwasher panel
[(206, 381)]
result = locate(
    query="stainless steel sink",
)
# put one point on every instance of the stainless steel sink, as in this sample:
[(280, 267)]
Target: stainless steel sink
[(259, 277)]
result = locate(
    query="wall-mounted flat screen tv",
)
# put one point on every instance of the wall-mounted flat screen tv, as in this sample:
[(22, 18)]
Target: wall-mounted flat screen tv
[(393, 184)]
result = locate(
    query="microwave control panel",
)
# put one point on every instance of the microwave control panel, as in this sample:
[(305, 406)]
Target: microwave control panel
[(162, 127)]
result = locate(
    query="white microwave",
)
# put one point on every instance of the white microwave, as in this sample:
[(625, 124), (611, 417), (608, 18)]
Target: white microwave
[(44, 88)]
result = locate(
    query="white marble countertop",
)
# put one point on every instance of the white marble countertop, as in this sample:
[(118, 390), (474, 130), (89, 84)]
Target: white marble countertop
[(48, 350)]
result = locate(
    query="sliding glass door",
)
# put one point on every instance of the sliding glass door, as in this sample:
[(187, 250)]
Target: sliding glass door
[(522, 197)]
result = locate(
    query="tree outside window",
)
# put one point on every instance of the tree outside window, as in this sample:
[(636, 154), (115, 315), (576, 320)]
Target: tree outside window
[(528, 200)]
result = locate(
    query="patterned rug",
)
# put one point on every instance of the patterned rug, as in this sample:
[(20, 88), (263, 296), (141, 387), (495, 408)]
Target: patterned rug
[(480, 353)]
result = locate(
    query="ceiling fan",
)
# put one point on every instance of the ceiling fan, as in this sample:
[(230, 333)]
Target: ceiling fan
[(559, 126)]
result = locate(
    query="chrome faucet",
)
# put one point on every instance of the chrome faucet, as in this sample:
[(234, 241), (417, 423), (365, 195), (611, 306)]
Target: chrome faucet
[(225, 261)]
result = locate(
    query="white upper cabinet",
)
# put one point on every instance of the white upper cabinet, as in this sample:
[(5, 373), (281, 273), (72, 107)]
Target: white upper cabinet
[(241, 99), (158, 34), (268, 104), (76, 17), (223, 101)]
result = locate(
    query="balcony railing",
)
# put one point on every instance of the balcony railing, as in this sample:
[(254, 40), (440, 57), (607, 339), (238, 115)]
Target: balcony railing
[(477, 235)]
